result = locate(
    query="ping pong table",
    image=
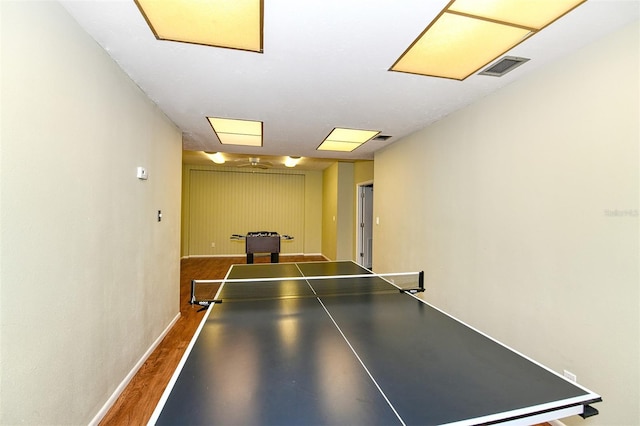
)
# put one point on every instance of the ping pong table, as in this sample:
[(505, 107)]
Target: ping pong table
[(332, 343)]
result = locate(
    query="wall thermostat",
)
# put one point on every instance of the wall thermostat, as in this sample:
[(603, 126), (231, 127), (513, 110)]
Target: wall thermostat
[(142, 173)]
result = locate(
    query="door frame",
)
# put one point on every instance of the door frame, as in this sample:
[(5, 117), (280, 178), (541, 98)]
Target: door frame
[(360, 225)]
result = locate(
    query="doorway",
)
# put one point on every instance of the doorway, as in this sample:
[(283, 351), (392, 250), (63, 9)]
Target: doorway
[(365, 225)]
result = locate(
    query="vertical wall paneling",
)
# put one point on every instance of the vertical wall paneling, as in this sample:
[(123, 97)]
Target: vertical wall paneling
[(223, 202)]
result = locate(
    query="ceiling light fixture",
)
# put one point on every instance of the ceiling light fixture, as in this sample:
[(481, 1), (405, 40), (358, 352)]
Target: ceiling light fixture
[(468, 34), (237, 132), (234, 24), (346, 140), (291, 161), (216, 157)]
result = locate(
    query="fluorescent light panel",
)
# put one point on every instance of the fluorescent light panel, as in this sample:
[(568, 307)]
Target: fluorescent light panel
[(236, 24), (468, 34), (346, 140), (237, 132)]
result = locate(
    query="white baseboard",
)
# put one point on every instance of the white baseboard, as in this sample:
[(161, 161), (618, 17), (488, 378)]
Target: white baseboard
[(121, 387), (243, 255), (213, 255), (315, 254)]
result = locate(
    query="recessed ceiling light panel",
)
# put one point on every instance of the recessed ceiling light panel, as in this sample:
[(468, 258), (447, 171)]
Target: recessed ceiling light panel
[(534, 14), (236, 24), (468, 34), (237, 132), (435, 53), (346, 140)]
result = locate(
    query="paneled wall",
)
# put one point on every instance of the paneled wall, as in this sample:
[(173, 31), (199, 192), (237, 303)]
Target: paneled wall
[(226, 202), (221, 201)]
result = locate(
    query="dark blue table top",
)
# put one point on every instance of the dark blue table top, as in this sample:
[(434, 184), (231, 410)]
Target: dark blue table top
[(364, 358)]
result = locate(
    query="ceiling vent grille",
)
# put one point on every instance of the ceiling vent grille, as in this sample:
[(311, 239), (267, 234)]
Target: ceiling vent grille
[(503, 66), (381, 138)]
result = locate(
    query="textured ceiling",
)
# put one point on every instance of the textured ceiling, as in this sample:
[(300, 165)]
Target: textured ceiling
[(325, 64)]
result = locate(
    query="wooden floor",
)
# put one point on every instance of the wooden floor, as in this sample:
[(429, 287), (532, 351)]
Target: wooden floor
[(137, 402)]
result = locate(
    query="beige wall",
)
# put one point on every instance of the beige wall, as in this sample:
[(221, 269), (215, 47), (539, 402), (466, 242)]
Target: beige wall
[(523, 211), (88, 277), (220, 201)]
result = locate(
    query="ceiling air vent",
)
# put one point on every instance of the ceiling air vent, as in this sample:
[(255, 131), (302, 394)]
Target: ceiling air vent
[(503, 66), (381, 138)]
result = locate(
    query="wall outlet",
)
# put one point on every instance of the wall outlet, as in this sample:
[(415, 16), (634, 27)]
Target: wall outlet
[(570, 376), (213, 245)]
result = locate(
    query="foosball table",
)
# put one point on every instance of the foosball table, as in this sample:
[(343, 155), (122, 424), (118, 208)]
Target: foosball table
[(262, 242)]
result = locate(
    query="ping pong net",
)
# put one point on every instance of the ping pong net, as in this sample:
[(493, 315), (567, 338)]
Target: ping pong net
[(205, 292)]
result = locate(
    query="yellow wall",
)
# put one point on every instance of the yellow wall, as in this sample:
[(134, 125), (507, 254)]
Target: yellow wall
[(89, 278), (338, 210), (328, 194), (345, 214), (362, 172), (330, 211), (220, 201), (522, 210), (313, 213)]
